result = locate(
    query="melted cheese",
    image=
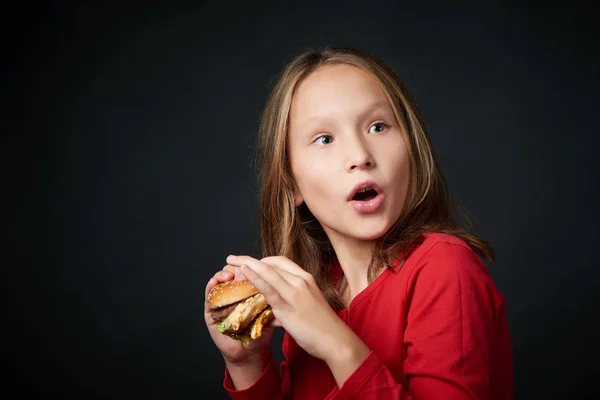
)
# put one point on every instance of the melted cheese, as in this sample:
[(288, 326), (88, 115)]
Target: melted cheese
[(241, 316), (257, 325)]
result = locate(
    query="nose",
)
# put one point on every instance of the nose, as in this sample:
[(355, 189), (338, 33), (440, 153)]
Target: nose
[(358, 156)]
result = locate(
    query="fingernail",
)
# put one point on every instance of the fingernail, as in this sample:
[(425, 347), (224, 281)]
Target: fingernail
[(231, 257)]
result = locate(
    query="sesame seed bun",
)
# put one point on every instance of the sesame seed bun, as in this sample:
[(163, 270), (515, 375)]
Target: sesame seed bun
[(230, 292)]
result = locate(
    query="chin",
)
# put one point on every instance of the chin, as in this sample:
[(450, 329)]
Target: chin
[(368, 236), (367, 232)]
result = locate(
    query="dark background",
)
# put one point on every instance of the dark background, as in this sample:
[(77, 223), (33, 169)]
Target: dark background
[(128, 139)]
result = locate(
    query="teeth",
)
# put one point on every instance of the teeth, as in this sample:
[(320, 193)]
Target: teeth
[(362, 190)]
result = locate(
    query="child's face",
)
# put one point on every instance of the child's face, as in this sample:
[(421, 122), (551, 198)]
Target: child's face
[(343, 132)]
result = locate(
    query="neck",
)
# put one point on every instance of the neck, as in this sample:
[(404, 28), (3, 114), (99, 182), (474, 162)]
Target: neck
[(354, 257)]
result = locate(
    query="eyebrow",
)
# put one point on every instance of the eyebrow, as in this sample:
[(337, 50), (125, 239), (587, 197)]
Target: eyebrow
[(381, 105)]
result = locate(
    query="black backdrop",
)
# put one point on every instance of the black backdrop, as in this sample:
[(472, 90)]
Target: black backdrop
[(129, 135)]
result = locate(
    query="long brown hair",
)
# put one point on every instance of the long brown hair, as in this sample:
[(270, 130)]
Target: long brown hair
[(294, 232)]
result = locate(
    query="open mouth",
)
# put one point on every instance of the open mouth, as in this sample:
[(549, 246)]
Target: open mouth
[(365, 194), (366, 197)]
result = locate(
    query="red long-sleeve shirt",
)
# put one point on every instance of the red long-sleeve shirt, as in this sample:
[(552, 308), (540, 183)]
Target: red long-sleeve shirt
[(436, 329)]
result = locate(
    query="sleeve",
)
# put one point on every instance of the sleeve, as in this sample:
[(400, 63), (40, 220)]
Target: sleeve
[(268, 383), (448, 337), (272, 384)]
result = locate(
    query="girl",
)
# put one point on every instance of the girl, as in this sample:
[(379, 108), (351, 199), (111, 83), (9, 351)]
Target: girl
[(380, 293)]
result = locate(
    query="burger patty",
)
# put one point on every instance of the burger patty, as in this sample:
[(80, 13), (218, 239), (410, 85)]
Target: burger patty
[(221, 313)]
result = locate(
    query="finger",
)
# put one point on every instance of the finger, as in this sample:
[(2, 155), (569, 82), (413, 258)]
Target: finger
[(271, 293), (238, 261), (287, 265), (223, 276), (232, 268), (284, 264), (292, 280), (237, 272), (284, 282), (211, 284), (266, 272), (295, 285)]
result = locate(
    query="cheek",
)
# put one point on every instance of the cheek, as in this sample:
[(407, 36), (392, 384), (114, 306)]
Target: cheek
[(403, 168), (404, 178), (399, 168), (315, 179)]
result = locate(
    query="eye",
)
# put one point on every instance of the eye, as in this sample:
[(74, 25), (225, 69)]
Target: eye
[(323, 140), (379, 127)]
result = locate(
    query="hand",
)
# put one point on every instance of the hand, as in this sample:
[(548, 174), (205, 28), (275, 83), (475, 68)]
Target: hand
[(297, 303), (234, 352)]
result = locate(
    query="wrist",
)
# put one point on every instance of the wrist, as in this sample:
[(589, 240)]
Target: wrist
[(245, 373), (254, 360), (346, 357)]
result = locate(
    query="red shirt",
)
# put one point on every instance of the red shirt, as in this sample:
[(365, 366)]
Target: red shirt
[(436, 327)]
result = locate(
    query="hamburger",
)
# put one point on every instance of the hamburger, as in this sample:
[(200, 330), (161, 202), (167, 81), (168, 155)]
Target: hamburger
[(241, 310)]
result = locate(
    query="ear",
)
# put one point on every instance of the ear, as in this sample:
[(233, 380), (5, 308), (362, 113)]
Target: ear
[(298, 199)]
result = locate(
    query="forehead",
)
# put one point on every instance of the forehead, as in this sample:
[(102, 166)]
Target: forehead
[(334, 90)]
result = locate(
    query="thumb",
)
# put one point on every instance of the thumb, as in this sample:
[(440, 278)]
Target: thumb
[(236, 271)]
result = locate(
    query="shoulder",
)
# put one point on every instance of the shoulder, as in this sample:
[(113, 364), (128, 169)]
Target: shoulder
[(444, 246), (434, 238), (447, 279), (443, 257)]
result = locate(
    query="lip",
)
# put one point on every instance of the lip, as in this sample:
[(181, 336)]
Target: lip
[(365, 184), (370, 206)]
